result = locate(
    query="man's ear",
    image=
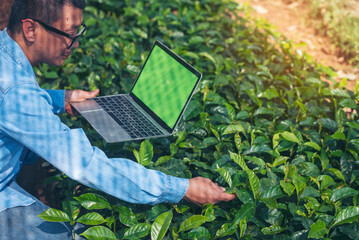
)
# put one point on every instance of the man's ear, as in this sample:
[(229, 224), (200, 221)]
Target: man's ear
[(28, 29)]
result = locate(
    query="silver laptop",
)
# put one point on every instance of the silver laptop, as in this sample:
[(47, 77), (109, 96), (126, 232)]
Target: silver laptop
[(153, 107)]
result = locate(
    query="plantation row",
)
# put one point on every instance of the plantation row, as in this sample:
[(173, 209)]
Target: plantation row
[(262, 123)]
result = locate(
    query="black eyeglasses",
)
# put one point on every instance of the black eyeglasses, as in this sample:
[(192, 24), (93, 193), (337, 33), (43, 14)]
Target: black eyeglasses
[(74, 39)]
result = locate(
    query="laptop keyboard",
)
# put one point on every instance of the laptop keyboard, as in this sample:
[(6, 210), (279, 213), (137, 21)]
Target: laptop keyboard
[(128, 117)]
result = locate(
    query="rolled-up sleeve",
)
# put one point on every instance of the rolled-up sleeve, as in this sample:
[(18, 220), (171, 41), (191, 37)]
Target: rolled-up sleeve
[(26, 115)]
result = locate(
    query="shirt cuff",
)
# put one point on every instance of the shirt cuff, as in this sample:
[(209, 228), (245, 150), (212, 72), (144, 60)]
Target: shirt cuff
[(58, 100), (176, 189)]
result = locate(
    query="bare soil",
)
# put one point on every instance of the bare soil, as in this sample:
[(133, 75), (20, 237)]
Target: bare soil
[(291, 19)]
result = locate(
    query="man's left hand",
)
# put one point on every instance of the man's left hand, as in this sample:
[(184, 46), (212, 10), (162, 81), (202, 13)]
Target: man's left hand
[(77, 96)]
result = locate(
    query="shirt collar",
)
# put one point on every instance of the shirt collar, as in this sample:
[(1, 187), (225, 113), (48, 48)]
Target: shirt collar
[(13, 49)]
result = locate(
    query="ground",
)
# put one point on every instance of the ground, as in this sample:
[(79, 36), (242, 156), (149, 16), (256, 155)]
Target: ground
[(290, 19)]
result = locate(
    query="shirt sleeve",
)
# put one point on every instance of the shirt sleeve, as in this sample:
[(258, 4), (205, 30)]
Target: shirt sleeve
[(26, 115), (58, 100)]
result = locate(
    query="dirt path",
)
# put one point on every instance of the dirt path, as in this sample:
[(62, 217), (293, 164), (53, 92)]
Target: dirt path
[(290, 19)]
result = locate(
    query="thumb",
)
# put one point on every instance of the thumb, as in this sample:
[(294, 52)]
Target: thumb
[(92, 94)]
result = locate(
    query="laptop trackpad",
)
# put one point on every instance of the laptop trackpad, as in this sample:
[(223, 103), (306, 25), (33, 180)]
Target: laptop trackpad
[(106, 126)]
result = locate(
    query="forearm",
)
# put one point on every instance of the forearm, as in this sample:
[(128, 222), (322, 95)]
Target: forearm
[(131, 182)]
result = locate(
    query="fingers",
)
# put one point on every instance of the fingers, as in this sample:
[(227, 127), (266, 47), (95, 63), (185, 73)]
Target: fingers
[(91, 94), (95, 92), (202, 190)]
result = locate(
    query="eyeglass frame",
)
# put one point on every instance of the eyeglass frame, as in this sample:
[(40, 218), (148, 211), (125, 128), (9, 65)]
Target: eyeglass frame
[(74, 39)]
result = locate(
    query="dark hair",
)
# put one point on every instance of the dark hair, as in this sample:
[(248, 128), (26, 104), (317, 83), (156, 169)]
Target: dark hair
[(48, 11)]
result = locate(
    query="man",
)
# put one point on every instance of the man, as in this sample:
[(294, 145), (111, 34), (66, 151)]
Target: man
[(46, 31)]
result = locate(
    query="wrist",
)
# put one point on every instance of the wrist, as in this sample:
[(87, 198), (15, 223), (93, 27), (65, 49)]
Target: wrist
[(68, 94)]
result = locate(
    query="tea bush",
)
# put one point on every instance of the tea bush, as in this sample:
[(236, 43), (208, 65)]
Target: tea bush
[(262, 123), (339, 20)]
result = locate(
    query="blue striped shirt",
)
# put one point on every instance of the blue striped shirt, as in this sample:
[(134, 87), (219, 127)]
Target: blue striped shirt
[(30, 128)]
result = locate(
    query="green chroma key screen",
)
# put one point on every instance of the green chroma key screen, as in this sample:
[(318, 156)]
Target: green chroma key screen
[(164, 86)]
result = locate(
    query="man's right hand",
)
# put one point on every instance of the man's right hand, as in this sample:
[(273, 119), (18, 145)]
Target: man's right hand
[(202, 190)]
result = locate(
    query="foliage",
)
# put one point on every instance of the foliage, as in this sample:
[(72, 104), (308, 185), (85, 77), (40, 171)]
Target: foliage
[(262, 124), (339, 20)]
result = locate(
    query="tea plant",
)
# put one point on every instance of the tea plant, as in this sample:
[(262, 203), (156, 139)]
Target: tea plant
[(339, 21), (262, 123)]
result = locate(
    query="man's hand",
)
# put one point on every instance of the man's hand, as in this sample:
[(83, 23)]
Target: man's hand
[(202, 190), (77, 96)]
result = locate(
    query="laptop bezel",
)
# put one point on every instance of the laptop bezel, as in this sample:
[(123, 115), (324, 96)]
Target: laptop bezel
[(183, 63)]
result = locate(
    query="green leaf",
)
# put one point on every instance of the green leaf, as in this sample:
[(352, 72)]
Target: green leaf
[(308, 169), (247, 211), (237, 158), (230, 110), (243, 226), (210, 141), (270, 93), (200, 233), (287, 187), (276, 140), (254, 182), (209, 213), (233, 129), (126, 216), (300, 186), (72, 208), (272, 192), (339, 194), (243, 195), (226, 175), (313, 145), (279, 161), (329, 124), (255, 160), (326, 181), (339, 93), (185, 145), (237, 141), (162, 160), (349, 103), (192, 222), (180, 137), (271, 203), (207, 55), (99, 232), (289, 137), (160, 225), (193, 109), (140, 33), (92, 201), (338, 136), (155, 212), (226, 229), (137, 231), (51, 74), (54, 215), (347, 215), (262, 111), (258, 149), (337, 173), (93, 218), (318, 230), (272, 230), (145, 154)]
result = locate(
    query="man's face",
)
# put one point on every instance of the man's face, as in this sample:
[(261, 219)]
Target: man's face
[(53, 47)]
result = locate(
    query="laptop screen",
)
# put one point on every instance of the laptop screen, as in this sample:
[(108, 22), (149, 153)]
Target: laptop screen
[(165, 85)]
